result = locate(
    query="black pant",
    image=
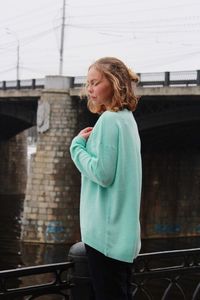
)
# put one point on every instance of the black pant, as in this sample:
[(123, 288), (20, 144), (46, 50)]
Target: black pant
[(111, 278)]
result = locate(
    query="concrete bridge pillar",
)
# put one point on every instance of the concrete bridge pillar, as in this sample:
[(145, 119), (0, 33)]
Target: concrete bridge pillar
[(51, 204)]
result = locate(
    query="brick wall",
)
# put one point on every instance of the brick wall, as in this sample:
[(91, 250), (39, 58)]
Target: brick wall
[(51, 207)]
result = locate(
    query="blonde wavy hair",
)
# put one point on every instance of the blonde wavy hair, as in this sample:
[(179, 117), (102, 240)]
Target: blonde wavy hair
[(123, 81)]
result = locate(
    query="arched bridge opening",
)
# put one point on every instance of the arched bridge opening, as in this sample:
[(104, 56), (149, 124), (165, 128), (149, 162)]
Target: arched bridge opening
[(16, 115)]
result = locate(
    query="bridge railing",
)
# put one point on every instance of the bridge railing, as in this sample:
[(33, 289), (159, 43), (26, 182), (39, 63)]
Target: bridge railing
[(22, 84), (155, 276), (183, 78)]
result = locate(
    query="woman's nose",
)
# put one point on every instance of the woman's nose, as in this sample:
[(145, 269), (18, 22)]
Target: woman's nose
[(90, 89)]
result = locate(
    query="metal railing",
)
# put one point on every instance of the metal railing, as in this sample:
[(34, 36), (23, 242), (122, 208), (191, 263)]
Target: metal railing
[(167, 275), (37, 281), (182, 78), (170, 275), (22, 84)]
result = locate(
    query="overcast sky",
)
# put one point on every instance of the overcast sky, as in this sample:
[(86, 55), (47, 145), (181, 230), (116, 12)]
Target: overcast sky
[(150, 36)]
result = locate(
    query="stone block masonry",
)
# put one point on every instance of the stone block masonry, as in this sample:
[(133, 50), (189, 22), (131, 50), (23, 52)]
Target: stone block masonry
[(51, 206)]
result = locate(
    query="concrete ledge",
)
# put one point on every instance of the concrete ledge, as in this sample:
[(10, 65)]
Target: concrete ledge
[(156, 91), (169, 91), (23, 93), (64, 85)]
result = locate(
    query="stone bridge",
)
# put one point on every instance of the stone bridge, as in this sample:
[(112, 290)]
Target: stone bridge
[(168, 117)]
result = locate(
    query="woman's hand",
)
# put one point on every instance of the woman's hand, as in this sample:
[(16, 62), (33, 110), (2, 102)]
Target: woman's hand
[(85, 133)]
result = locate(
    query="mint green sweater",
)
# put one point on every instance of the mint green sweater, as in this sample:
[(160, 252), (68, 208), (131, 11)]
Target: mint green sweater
[(110, 165)]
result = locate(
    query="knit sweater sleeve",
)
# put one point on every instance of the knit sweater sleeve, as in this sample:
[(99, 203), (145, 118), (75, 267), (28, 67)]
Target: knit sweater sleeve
[(99, 165)]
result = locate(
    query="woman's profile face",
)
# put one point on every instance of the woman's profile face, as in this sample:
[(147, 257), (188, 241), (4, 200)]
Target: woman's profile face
[(99, 88)]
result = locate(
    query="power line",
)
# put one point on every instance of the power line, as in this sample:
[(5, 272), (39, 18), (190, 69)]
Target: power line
[(169, 60), (7, 70), (115, 3), (134, 25), (141, 10), (28, 13)]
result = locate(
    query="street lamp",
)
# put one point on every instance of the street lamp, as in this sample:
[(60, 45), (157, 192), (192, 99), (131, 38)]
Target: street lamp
[(13, 33)]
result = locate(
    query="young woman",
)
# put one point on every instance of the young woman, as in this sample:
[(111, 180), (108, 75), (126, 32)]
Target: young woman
[(108, 157)]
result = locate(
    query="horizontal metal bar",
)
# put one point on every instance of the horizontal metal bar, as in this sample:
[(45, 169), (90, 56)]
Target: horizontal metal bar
[(35, 270), (57, 285), (36, 290), (170, 253), (164, 272)]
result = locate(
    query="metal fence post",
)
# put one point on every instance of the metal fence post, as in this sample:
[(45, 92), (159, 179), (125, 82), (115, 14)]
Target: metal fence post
[(198, 77), (79, 275), (18, 84), (33, 83), (167, 79)]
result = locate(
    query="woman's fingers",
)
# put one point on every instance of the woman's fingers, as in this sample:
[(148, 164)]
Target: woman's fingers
[(85, 133)]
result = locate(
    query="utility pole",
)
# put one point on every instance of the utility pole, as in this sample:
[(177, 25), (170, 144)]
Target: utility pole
[(17, 68), (62, 39)]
